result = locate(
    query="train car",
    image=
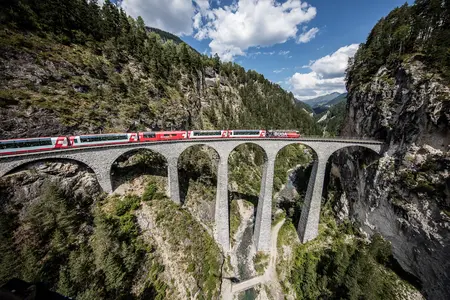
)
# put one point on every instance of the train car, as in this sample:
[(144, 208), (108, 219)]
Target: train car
[(153, 136), (292, 134), (207, 134), (10, 147), (246, 133), (102, 139)]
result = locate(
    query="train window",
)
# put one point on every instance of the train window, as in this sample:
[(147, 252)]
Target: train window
[(149, 135), (25, 143), (206, 133), (246, 132), (102, 138)]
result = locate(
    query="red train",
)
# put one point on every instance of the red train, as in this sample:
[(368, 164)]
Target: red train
[(17, 146)]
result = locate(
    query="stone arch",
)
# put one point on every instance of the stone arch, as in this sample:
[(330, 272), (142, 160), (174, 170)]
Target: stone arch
[(23, 164), (197, 169), (296, 188), (365, 150), (374, 147), (15, 166), (202, 159), (117, 174), (136, 149), (309, 219), (258, 160), (256, 194)]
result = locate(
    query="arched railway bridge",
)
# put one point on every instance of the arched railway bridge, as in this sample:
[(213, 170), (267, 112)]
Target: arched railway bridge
[(101, 158)]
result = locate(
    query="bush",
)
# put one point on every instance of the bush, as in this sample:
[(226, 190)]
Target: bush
[(149, 193), (128, 203)]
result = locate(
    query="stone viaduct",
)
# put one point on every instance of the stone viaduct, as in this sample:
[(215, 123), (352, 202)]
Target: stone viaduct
[(101, 158)]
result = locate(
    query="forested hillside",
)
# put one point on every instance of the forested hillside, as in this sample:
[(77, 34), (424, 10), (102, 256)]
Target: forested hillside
[(85, 68), (69, 67), (419, 31)]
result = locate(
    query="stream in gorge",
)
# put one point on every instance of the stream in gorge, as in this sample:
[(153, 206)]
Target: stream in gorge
[(244, 249)]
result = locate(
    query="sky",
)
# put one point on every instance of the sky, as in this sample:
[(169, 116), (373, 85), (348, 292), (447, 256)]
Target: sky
[(304, 46)]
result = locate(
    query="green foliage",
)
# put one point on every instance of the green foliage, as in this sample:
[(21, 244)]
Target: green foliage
[(421, 30), (150, 192), (335, 119), (129, 202), (200, 250), (235, 219), (261, 261), (122, 76), (245, 168), (80, 253), (346, 270), (288, 158), (338, 266)]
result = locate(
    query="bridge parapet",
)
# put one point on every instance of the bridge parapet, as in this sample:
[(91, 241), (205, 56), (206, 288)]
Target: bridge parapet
[(100, 160)]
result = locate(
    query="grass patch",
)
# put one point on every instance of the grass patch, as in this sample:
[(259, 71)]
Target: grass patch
[(235, 219), (186, 235), (260, 262)]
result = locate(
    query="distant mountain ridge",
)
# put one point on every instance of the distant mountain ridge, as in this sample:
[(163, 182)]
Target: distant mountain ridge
[(321, 99), (323, 103)]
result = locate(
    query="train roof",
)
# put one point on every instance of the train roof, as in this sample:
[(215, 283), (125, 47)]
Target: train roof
[(32, 139)]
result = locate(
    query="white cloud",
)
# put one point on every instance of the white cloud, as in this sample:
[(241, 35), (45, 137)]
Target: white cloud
[(334, 65), (279, 71), (249, 23), (283, 52), (174, 16), (254, 54), (327, 75), (307, 36), (203, 5)]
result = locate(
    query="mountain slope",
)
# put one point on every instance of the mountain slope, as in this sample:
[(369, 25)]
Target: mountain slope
[(338, 99), (332, 119), (101, 71), (321, 99), (398, 92), (94, 74)]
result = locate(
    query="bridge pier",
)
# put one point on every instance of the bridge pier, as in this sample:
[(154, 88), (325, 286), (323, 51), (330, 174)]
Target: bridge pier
[(308, 226), (104, 179), (222, 227), (172, 179), (263, 223), (100, 159)]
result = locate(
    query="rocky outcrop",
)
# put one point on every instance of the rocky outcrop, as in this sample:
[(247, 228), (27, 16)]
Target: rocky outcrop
[(404, 106), (77, 182), (405, 195)]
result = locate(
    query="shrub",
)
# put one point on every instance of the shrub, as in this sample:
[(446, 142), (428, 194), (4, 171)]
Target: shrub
[(150, 192), (129, 202)]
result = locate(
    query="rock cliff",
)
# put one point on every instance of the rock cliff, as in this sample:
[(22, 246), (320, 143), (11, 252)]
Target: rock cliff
[(405, 195)]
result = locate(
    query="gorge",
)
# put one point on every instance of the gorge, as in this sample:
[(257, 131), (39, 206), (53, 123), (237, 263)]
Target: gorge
[(383, 231)]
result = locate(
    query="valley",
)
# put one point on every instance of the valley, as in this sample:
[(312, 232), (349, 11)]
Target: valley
[(356, 205)]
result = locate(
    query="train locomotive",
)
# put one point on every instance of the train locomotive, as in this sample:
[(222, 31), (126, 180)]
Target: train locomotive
[(27, 145)]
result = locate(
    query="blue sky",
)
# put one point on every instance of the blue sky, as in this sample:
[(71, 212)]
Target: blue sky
[(302, 45)]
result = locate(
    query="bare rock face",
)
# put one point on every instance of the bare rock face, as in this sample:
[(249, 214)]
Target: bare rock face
[(75, 181), (405, 195), (410, 106)]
